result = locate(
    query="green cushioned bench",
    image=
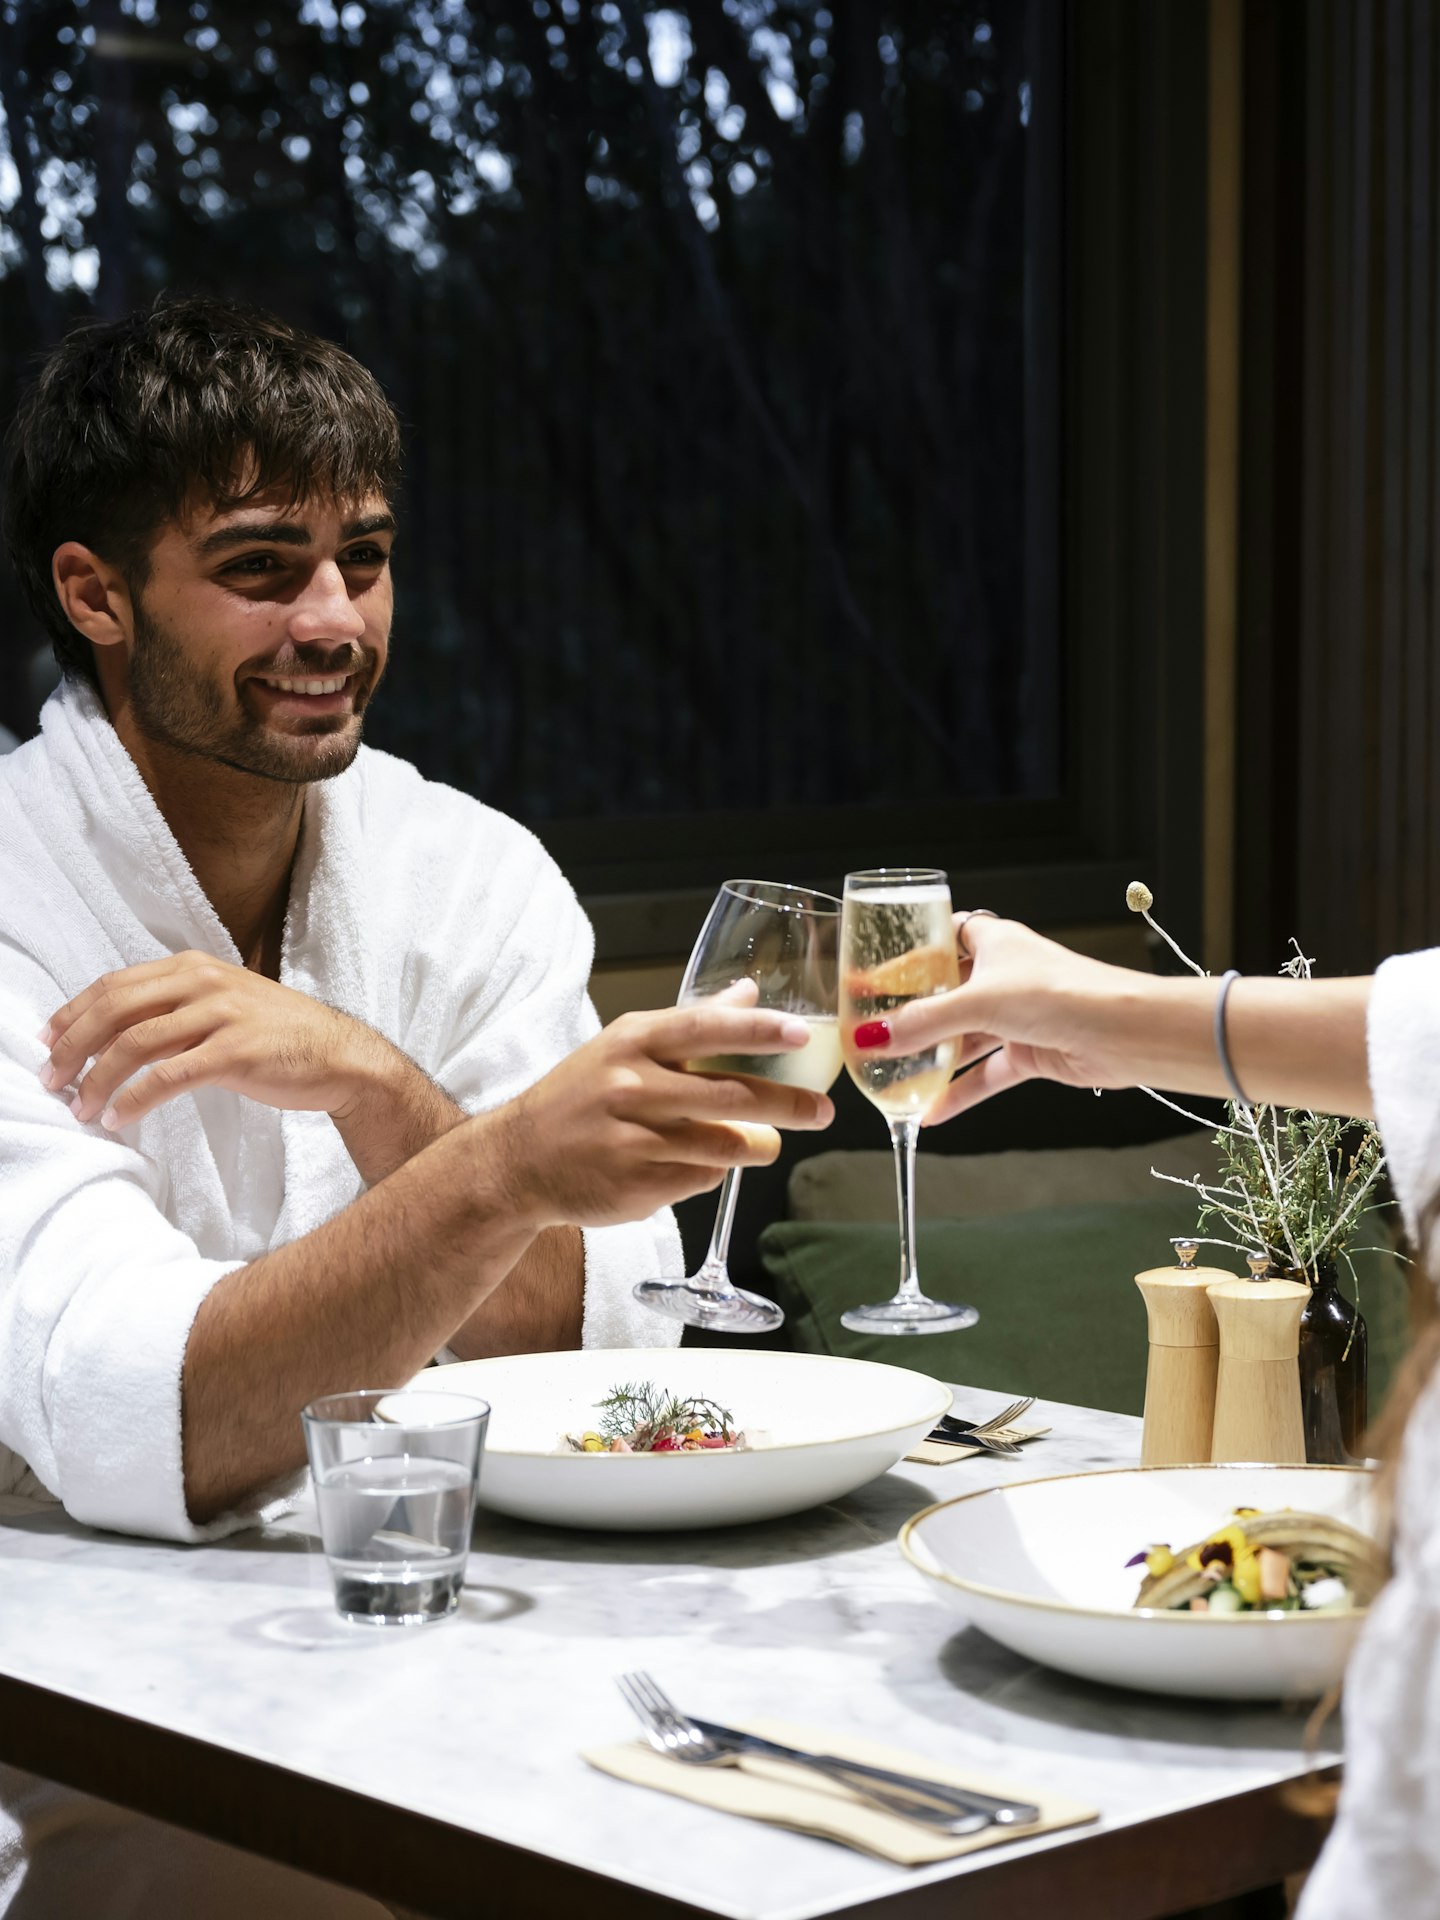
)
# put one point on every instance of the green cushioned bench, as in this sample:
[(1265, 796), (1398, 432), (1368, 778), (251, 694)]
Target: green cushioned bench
[(1060, 1315)]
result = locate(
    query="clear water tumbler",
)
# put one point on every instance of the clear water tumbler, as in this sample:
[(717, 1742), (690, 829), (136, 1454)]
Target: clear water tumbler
[(395, 1472)]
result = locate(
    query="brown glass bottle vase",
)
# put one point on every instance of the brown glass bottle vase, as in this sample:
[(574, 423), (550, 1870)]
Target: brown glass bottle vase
[(1333, 1377)]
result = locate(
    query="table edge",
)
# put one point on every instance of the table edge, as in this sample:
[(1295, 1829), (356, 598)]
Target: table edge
[(432, 1866)]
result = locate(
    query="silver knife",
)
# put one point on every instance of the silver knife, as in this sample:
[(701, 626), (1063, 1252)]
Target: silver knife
[(1003, 1813)]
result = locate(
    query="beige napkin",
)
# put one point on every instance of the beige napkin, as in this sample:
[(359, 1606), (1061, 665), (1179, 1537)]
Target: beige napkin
[(939, 1453), (791, 1796)]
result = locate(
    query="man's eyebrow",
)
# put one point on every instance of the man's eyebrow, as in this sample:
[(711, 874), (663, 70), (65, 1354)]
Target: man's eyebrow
[(288, 533), (371, 523), (245, 533)]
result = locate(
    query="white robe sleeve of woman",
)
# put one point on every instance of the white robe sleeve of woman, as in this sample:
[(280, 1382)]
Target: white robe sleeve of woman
[(1383, 1857)]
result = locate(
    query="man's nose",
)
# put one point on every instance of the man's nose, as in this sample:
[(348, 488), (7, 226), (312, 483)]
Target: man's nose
[(325, 611)]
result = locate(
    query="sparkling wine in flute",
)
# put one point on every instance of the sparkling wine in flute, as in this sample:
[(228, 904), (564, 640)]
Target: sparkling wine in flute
[(900, 947), (897, 944), (816, 1066)]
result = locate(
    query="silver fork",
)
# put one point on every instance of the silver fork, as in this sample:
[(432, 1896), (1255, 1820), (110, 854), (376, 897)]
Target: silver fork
[(951, 1809), (1004, 1417), (990, 1434)]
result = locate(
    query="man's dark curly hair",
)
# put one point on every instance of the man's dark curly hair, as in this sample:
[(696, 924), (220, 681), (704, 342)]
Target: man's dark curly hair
[(198, 401)]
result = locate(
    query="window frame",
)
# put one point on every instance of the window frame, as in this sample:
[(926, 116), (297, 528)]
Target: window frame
[(1127, 484)]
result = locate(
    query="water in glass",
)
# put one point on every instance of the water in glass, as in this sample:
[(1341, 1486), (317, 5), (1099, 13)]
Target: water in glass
[(401, 1533)]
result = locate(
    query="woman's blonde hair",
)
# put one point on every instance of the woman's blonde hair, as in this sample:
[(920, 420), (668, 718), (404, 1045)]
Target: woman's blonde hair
[(1383, 1442)]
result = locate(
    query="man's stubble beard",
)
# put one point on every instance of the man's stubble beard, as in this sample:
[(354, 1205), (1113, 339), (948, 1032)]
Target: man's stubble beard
[(175, 707)]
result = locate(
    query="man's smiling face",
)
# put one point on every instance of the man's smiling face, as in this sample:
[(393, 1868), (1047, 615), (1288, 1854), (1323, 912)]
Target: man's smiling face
[(260, 634)]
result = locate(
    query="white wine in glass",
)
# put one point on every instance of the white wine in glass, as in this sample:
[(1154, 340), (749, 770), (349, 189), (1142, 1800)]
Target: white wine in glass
[(816, 1066), (786, 940), (897, 944)]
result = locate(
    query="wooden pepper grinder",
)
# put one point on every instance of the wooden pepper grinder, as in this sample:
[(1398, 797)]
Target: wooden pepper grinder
[(1257, 1393), (1184, 1355)]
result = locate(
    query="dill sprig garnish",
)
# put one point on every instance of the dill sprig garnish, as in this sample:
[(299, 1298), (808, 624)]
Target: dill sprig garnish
[(639, 1411)]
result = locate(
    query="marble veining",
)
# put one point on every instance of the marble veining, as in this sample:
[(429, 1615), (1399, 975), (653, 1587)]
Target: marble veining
[(816, 1618)]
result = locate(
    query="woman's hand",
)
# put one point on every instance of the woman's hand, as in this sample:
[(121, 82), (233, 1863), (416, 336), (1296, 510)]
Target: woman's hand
[(1029, 1009), (1026, 1009)]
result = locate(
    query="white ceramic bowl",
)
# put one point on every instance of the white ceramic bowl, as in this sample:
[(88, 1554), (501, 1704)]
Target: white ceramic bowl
[(831, 1426), (1040, 1566)]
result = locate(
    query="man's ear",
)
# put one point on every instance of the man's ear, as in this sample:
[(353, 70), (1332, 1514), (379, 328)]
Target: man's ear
[(93, 594)]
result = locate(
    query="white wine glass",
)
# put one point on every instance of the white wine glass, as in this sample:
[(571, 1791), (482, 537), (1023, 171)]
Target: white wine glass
[(786, 940), (897, 944)]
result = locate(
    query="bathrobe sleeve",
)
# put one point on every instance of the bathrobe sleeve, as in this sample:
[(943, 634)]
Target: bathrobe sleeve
[(1404, 1047), (97, 1294), (1382, 1858), (519, 1005)]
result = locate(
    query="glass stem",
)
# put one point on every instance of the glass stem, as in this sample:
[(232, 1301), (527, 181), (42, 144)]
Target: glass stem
[(904, 1137), (714, 1274)]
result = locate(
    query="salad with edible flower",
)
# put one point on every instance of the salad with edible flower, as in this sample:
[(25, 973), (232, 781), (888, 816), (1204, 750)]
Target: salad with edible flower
[(1283, 1562), (643, 1418)]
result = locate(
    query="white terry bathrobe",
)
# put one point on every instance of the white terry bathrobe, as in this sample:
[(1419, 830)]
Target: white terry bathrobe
[(438, 921), (1382, 1859)]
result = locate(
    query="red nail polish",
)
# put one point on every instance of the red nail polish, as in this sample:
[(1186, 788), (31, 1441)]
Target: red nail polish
[(872, 1033)]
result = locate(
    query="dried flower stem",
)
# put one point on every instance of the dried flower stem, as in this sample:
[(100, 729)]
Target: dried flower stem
[(1173, 945), (1185, 1114), (1296, 1183)]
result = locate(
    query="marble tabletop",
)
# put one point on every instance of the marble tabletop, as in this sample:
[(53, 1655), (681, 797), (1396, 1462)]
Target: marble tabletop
[(479, 1722)]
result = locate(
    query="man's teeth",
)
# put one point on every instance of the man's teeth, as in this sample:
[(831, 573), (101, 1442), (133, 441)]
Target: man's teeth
[(304, 686)]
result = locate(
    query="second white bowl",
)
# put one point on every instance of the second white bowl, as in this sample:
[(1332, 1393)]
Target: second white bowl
[(1040, 1566)]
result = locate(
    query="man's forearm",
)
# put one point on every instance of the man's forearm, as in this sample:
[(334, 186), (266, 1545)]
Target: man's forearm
[(540, 1306), (614, 1131), (369, 1297), (396, 1112)]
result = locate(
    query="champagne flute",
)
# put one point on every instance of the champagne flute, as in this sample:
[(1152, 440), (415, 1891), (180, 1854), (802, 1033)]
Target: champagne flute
[(897, 944), (785, 939)]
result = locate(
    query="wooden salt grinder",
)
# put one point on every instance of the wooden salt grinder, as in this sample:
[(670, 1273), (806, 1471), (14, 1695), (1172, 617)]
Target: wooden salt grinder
[(1257, 1394), (1184, 1354)]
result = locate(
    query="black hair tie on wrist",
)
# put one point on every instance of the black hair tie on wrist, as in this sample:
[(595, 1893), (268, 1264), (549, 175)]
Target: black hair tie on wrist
[(1222, 1048)]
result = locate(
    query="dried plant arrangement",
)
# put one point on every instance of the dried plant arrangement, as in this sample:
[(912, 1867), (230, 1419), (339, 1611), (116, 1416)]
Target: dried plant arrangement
[(1298, 1184)]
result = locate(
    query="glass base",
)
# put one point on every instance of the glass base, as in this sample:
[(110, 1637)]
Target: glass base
[(374, 1600), (910, 1316), (732, 1312)]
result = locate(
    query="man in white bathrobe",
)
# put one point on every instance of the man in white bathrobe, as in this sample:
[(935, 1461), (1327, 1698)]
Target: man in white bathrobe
[(299, 1084)]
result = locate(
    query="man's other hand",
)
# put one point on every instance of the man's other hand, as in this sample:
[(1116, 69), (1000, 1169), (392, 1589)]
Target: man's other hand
[(195, 1021)]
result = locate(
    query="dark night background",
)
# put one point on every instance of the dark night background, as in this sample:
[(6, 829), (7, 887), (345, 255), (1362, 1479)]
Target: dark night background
[(709, 328)]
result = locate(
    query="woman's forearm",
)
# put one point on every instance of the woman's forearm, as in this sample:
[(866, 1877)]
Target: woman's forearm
[(1028, 1008), (1294, 1043)]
